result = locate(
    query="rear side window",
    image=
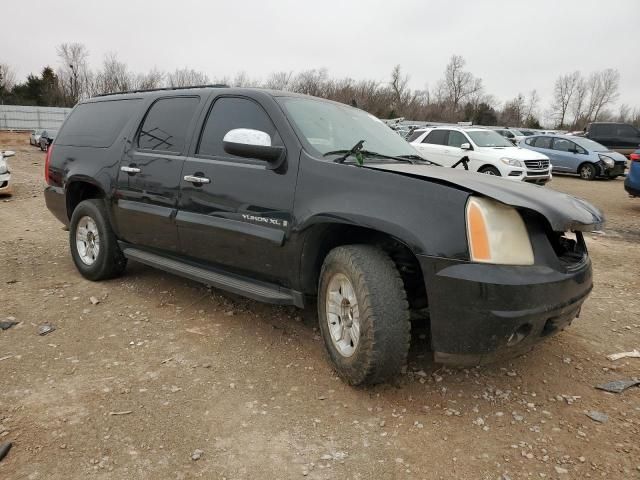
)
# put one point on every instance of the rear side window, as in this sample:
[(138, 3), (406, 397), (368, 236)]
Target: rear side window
[(414, 135), (542, 142), (97, 124), (228, 113), (627, 131), (166, 124), (563, 145), (437, 137), (603, 129)]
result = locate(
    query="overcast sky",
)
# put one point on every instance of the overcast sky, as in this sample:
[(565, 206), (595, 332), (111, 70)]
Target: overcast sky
[(514, 46)]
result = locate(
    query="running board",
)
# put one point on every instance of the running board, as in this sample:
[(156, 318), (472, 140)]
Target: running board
[(261, 291)]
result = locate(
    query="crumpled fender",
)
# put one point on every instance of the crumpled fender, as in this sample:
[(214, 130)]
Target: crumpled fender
[(563, 212)]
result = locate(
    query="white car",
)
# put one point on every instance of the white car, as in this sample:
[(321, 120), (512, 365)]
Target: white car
[(486, 151), (5, 175)]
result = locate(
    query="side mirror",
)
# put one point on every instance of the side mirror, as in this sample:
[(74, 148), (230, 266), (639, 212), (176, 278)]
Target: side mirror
[(466, 146), (250, 143), (8, 153)]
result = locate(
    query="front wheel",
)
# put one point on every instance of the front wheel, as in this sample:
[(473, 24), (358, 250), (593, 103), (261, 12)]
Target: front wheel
[(94, 247), (363, 314), (587, 171), (489, 170)]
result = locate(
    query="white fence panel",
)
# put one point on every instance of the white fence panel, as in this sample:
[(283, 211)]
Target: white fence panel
[(18, 117)]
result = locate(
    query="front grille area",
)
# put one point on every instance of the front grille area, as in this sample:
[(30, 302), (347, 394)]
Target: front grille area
[(537, 164)]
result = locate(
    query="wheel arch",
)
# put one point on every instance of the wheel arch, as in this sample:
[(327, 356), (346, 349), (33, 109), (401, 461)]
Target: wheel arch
[(79, 189), (321, 238)]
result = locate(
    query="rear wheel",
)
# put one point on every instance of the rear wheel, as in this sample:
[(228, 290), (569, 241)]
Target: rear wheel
[(489, 170), (363, 314), (587, 171), (94, 247)]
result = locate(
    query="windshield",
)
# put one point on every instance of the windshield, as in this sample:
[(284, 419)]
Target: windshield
[(488, 138), (589, 144), (328, 127)]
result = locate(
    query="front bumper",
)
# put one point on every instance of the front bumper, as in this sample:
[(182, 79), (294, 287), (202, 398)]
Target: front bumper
[(482, 313), (5, 185), (531, 176)]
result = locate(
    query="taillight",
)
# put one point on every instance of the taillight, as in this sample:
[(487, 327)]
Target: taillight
[(635, 157), (47, 159)]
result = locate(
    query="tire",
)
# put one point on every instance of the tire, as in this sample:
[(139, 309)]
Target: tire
[(382, 314), (109, 261), (587, 171), (489, 170), (41, 147)]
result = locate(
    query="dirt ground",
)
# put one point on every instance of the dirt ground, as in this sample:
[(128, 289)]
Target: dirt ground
[(132, 386)]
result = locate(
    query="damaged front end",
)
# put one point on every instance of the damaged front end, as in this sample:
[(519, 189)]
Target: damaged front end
[(527, 275)]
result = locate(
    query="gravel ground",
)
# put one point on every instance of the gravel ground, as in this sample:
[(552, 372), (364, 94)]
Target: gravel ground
[(158, 377)]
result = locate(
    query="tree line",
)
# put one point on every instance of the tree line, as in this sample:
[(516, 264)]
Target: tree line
[(458, 96)]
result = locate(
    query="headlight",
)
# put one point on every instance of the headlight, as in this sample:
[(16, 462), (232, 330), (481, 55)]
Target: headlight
[(607, 160), (496, 233), (511, 161)]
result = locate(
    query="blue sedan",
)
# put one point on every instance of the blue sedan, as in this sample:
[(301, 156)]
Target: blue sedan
[(579, 155), (632, 182)]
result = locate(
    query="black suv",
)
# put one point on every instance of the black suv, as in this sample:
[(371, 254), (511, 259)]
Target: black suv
[(619, 137), (287, 199)]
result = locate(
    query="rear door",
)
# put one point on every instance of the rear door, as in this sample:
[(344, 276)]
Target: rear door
[(239, 218), (433, 146), (149, 176)]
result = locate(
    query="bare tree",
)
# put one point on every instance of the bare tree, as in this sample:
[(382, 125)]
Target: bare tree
[(609, 83), (532, 105), (187, 77), (563, 94), (311, 82), (513, 111), (578, 102), (7, 77), (624, 113), (114, 76), (73, 74), (154, 78), (279, 81), (400, 90), (458, 84)]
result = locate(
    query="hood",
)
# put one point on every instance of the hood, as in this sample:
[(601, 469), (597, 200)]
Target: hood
[(518, 153), (563, 212), (615, 156)]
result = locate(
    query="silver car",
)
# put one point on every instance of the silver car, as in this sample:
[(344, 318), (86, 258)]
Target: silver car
[(5, 175), (570, 154), (34, 138)]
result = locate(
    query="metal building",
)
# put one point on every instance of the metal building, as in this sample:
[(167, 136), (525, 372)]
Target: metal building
[(17, 117)]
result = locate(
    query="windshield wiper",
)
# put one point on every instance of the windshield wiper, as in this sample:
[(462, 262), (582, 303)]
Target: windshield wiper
[(359, 152), (357, 148), (418, 158)]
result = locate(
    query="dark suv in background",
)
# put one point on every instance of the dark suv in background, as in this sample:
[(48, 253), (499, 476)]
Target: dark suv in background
[(619, 137), (293, 200)]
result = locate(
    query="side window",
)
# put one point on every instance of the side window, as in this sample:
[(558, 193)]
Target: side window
[(165, 126), (563, 145), (228, 113), (414, 135), (542, 142), (437, 137), (456, 139), (627, 131), (604, 130), (530, 141)]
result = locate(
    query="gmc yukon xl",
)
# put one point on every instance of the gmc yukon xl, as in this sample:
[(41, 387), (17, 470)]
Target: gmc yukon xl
[(291, 199)]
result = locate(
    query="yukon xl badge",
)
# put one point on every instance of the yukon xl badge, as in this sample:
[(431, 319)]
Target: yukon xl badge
[(269, 221)]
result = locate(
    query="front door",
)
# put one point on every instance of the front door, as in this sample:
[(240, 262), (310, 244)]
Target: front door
[(236, 212), (149, 175)]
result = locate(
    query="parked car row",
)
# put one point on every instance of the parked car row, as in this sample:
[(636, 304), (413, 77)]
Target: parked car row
[(42, 138), (484, 151)]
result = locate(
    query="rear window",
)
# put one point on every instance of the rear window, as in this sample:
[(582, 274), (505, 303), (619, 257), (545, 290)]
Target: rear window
[(97, 124)]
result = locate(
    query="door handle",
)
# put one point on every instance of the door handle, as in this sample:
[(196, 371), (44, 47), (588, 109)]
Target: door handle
[(130, 169), (196, 180)]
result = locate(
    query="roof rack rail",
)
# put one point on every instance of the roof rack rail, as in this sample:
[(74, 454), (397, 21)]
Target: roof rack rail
[(214, 85)]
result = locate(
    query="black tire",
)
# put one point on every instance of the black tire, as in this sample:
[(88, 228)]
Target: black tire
[(110, 261), (587, 171), (41, 147), (489, 170), (385, 330)]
